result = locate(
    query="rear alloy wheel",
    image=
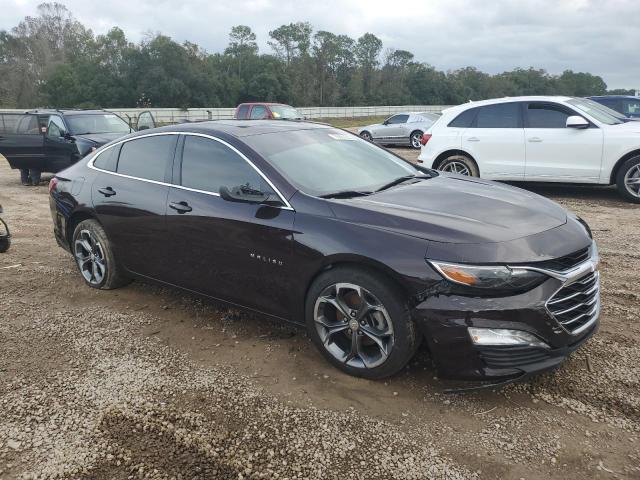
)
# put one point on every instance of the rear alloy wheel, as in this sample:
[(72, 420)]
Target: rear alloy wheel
[(628, 180), (415, 139), (94, 258), (459, 164), (359, 323), (367, 136)]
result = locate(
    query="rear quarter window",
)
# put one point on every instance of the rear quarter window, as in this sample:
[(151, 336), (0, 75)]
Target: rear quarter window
[(107, 159), (464, 119), (148, 158), (243, 110)]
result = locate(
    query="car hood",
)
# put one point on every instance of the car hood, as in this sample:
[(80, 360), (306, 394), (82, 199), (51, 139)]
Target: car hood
[(454, 209), (99, 139)]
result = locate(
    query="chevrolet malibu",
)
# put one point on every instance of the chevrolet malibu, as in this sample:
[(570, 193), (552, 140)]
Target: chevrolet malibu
[(314, 225)]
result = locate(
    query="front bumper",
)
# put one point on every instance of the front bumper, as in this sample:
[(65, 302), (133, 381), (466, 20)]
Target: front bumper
[(444, 320)]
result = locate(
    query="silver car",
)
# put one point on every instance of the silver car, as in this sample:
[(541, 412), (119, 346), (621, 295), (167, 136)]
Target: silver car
[(400, 129)]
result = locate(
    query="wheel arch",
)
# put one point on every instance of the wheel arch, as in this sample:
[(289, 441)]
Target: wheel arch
[(620, 162), (440, 158), (73, 221)]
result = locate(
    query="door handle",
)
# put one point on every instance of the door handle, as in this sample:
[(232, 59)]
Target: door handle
[(473, 139), (107, 191), (535, 140), (180, 207)]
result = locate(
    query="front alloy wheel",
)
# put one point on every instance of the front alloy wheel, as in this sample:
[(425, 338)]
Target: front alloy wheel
[(632, 181), (353, 325), (628, 179), (416, 138)]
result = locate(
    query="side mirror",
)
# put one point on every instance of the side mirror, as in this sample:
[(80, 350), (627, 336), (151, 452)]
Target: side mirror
[(67, 136), (243, 194), (576, 121)]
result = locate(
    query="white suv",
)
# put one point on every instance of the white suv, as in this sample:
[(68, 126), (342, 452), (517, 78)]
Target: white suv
[(541, 139)]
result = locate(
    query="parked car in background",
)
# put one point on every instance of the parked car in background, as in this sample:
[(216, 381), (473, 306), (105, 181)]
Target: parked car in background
[(400, 129), (537, 139), (266, 111), (52, 140), (314, 225), (627, 105)]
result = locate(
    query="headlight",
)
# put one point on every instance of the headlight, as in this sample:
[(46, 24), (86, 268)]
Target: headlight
[(504, 337), (493, 279)]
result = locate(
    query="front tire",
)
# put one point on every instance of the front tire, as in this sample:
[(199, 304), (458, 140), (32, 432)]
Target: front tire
[(460, 164), (367, 136), (415, 138), (360, 322), (628, 180), (94, 257)]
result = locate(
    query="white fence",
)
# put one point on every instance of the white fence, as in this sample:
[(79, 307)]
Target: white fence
[(174, 115)]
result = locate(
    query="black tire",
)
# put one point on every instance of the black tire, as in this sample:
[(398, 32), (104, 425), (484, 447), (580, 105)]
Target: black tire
[(399, 346), (456, 162), (367, 136), (416, 134), (5, 243), (629, 170), (89, 233)]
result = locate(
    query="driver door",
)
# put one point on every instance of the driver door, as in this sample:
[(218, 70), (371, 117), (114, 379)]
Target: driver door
[(392, 130), (237, 252), (58, 146)]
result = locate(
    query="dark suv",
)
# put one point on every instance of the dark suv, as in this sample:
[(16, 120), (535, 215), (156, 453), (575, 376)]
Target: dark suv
[(52, 140)]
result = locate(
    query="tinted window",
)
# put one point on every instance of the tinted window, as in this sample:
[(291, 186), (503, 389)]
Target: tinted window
[(465, 119), (108, 159), (242, 111), (147, 157), (632, 107), (542, 115), (28, 125), (501, 115), (208, 165), (56, 128), (398, 119), (258, 112), (17, 123), (146, 121), (611, 103)]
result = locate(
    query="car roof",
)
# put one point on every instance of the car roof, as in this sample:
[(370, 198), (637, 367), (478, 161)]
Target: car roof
[(68, 112), (265, 103), (615, 96), (239, 128), (494, 101)]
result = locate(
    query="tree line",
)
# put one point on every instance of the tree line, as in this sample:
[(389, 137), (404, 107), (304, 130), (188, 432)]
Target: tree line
[(53, 60)]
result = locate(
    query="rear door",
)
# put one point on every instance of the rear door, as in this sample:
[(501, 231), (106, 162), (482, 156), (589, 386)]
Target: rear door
[(496, 141), (130, 196), (557, 153), (238, 252), (21, 141)]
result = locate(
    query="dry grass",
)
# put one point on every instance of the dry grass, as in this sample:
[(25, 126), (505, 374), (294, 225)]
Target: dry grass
[(351, 122)]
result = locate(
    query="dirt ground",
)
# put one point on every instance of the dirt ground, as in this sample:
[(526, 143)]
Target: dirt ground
[(145, 382)]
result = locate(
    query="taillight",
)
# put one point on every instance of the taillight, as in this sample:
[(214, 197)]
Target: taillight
[(425, 138), (53, 183)]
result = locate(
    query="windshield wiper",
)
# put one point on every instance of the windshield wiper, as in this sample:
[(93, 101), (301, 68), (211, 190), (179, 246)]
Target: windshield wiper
[(400, 180), (346, 194)]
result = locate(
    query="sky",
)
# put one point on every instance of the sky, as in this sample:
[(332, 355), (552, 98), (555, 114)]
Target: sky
[(601, 37)]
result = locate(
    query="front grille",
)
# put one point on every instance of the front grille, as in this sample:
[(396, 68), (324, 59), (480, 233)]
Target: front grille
[(564, 263), (576, 304), (512, 356)]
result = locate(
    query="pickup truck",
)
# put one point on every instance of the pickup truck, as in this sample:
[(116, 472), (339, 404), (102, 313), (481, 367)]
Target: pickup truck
[(52, 140)]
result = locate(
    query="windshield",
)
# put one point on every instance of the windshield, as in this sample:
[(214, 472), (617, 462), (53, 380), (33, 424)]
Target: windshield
[(596, 112), (284, 112), (325, 161), (96, 123)]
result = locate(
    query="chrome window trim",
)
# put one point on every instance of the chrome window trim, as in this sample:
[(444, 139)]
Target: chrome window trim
[(287, 205)]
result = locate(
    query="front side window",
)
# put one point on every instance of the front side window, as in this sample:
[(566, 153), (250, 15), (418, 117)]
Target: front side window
[(396, 119), (546, 115), (501, 115), (147, 157), (325, 160), (56, 127), (208, 165), (97, 123), (258, 112), (285, 112), (146, 121)]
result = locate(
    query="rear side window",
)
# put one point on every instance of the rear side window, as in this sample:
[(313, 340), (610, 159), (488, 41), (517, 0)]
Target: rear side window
[(501, 115), (242, 112), (208, 165), (465, 119), (107, 159), (148, 157), (28, 125), (258, 112), (543, 115)]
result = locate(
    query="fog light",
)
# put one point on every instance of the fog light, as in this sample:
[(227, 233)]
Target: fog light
[(504, 337)]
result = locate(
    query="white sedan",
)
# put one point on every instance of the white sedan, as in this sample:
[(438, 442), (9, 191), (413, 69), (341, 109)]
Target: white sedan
[(537, 139)]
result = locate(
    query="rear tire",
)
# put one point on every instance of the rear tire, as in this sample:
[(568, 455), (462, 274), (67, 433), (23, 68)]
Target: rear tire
[(360, 322), (94, 257), (460, 164), (415, 138), (628, 180)]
